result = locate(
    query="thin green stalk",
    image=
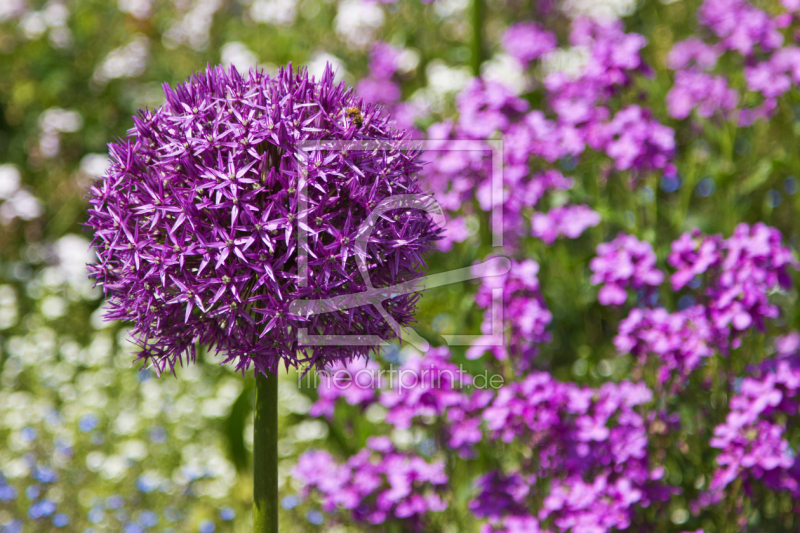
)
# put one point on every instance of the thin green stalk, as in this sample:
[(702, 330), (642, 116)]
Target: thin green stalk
[(265, 455), (478, 52)]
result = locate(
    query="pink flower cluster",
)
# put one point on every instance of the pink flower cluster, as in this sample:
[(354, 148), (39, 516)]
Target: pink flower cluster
[(376, 484), (425, 387), (678, 341), (626, 262), (742, 270), (753, 440), (524, 312), (582, 112), (590, 445), (569, 220), (527, 41), (770, 68), (354, 381)]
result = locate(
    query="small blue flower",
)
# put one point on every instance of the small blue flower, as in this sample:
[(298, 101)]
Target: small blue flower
[(159, 434), (96, 515), (14, 526), (28, 434), (45, 474), (60, 520), (206, 526), (7, 493), (42, 509), (132, 527), (88, 422), (315, 517), (114, 502), (148, 518), (226, 513), (33, 492), (686, 301), (97, 437), (670, 183), (290, 502), (147, 483), (706, 187)]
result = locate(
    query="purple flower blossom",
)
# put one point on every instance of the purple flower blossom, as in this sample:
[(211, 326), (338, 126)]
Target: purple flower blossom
[(740, 26), (692, 52), (196, 222), (354, 381), (623, 263), (569, 220), (501, 495), (485, 107), (524, 309), (677, 341), (376, 484), (425, 387), (703, 92), (527, 41), (590, 444), (633, 139), (743, 270)]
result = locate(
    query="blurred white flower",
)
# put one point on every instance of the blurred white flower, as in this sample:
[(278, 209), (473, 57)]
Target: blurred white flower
[(599, 9), (134, 449), (55, 14), (95, 165), (35, 23), (57, 120), (9, 180), (53, 122), (141, 9), (238, 55), (443, 79), (356, 22), (316, 65), (8, 306), (408, 60), (570, 61), (505, 69), (194, 27), (21, 204), (95, 460), (53, 307), (10, 9), (126, 61), (449, 8), (308, 430), (127, 423), (114, 468), (278, 12)]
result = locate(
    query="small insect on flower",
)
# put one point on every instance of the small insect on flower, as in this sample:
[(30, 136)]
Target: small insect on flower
[(354, 114)]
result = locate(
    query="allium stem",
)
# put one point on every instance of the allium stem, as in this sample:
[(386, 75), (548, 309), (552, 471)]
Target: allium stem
[(265, 455), (478, 16)]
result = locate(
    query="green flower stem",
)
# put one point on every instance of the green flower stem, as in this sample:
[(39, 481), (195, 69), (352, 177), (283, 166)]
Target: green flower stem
[(478, 18), (265, 455)]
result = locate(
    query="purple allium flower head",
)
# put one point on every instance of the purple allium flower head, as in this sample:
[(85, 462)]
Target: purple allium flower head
[(196, 222)]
